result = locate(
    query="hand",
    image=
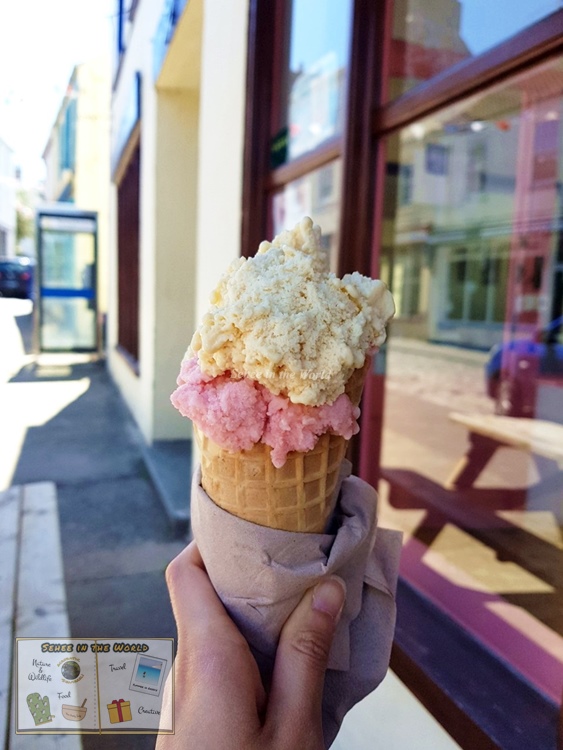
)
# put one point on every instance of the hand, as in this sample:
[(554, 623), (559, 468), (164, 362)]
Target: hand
[(220, 702)]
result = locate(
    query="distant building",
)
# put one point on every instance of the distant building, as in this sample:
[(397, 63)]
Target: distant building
[(77, 153), (7, 202)]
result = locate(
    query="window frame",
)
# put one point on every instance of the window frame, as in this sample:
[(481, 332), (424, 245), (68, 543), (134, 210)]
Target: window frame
[(368, 118), (128, 255)]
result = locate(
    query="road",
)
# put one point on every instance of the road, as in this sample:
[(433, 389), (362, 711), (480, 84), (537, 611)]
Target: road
[(442, 375)]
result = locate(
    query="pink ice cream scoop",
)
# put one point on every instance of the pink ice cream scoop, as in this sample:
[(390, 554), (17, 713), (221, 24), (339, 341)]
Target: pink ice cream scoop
[(237, 414)]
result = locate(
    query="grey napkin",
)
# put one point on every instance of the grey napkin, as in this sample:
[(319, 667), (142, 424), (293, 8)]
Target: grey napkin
[(260, 574)]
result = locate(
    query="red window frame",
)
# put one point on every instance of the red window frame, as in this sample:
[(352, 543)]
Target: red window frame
[(128, 228)]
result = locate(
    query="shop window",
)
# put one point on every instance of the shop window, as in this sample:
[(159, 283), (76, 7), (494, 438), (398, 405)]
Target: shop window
[(314, 76), (436, 159), (326, 183), (476, 283), (67, 135), (128, 194), (123, 24), (407, 281), (317, 194), (449, 192), (405, 184), (494, 297)]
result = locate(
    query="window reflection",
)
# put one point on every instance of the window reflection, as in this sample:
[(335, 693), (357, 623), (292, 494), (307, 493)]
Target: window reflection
[(472, 453), (317, 195), (430, 37), (313, 98)]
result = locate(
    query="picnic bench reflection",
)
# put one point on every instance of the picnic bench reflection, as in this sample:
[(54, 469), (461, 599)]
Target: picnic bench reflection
[(487, 433), (496, 516)]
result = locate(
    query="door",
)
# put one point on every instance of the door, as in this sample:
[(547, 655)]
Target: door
[(67, 315)]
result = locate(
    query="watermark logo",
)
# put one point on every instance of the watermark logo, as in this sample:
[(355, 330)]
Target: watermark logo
[(301, 374), (93, 686)]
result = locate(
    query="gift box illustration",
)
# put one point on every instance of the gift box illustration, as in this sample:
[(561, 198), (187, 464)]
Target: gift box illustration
[(40, 708), (119, 710)]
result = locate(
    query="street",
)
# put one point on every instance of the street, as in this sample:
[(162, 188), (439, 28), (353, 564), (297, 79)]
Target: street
[(444, 375)]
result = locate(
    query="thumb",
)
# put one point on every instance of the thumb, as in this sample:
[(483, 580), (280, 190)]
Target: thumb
[(302, 656)]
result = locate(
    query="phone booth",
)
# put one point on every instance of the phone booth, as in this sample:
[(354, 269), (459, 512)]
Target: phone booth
[(66, 311)]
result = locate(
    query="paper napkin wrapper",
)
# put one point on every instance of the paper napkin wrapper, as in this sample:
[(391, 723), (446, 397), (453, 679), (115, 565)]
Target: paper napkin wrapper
[(260, 574)]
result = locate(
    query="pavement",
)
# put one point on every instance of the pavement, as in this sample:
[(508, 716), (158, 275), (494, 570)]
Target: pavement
[(64, 425)]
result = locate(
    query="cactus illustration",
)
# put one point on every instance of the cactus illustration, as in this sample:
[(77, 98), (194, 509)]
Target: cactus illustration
[(40, 708)]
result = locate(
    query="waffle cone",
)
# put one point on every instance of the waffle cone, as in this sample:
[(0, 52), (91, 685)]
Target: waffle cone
[(299, 496)]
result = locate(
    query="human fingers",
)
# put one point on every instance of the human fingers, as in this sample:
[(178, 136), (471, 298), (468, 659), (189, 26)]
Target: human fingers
[(188, 582), (214, 667), (297, 684)]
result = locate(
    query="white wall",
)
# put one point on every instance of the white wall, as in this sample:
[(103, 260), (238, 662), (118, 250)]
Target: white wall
[(223, 98)]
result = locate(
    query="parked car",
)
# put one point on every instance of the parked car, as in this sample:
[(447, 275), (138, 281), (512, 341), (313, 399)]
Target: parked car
[(513, 369), (16, 277)]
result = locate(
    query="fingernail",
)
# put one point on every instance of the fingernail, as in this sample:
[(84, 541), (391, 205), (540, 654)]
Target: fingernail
[(329, 596)]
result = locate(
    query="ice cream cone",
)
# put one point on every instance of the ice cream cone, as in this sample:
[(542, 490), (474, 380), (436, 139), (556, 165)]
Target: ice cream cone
[(299, 496)]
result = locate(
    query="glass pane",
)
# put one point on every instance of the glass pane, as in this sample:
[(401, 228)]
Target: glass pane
[(430, 37), (472, 453), (316, 195), (314, 86), (67, 260), (67, 323)]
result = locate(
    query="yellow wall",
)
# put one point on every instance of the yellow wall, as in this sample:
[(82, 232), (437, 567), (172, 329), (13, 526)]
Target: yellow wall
[(174, 272), (92, 177)]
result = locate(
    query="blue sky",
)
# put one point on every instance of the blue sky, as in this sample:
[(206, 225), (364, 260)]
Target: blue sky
[(484, 23), (316, 23)]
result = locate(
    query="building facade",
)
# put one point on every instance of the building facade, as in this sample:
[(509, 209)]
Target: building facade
[(425, 139), (77, 156)]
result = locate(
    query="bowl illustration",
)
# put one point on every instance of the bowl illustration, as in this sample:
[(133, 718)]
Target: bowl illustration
[(74, 713)]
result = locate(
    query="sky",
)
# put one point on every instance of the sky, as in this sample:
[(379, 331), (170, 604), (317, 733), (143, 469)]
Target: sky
[(483, 24), (42, 40), (40, 43), (504, 18)]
